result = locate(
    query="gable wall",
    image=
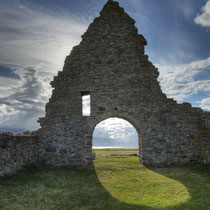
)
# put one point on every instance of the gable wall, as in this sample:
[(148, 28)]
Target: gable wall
[(110, 64)]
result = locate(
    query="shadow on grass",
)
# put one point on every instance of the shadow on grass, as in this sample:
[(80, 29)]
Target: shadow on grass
[(48, 187)]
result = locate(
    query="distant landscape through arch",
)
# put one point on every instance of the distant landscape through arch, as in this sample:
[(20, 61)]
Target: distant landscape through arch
[(115, 133)]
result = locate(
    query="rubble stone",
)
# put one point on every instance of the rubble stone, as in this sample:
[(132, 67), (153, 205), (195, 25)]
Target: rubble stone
[(110, 65), (16, 151)]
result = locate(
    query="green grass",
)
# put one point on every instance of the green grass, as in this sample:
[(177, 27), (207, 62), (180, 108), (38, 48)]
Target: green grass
[(113, 183), (115, 151)]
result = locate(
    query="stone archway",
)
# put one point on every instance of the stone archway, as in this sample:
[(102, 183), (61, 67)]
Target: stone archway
[(110, 66), (133, 128)]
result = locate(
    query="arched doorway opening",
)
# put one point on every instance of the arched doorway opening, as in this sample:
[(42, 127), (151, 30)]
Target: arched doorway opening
[(116, 134)]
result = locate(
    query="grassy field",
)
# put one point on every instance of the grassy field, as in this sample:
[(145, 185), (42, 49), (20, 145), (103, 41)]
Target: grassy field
[(113, 183), (109, 152)]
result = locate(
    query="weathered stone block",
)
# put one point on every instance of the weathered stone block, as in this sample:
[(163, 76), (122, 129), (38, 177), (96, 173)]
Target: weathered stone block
[(110, 65), (63, 151), (50, 149)]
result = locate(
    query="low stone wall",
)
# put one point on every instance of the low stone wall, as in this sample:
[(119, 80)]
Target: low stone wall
[(16, 151), (205, 147)]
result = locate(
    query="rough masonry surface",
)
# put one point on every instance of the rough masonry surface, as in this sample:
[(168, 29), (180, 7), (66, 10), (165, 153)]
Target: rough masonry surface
[(110, 65), (16, 151)]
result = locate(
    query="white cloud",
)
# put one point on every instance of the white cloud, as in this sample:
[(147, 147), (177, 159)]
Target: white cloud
[(204, 18), (7, 85), (86, 105), (34, 36), (205, 104), (25, 101), (34, 43), (116, 129), (178, 81)]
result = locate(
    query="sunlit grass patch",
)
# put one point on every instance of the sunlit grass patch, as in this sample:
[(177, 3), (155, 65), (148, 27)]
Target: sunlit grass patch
[(130, 182)]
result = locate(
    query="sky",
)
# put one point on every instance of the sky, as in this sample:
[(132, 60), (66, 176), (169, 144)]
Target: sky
[(37, 35)]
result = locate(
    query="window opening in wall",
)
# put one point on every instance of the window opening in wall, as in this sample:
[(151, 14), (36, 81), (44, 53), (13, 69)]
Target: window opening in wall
[(86, 109)]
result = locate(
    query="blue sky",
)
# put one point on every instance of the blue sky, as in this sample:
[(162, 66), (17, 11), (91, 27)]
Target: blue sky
[(36, 35)]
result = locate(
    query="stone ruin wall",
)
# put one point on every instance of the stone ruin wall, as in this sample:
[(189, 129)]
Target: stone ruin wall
[(111, 65), (205, 144), (16, 151)]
